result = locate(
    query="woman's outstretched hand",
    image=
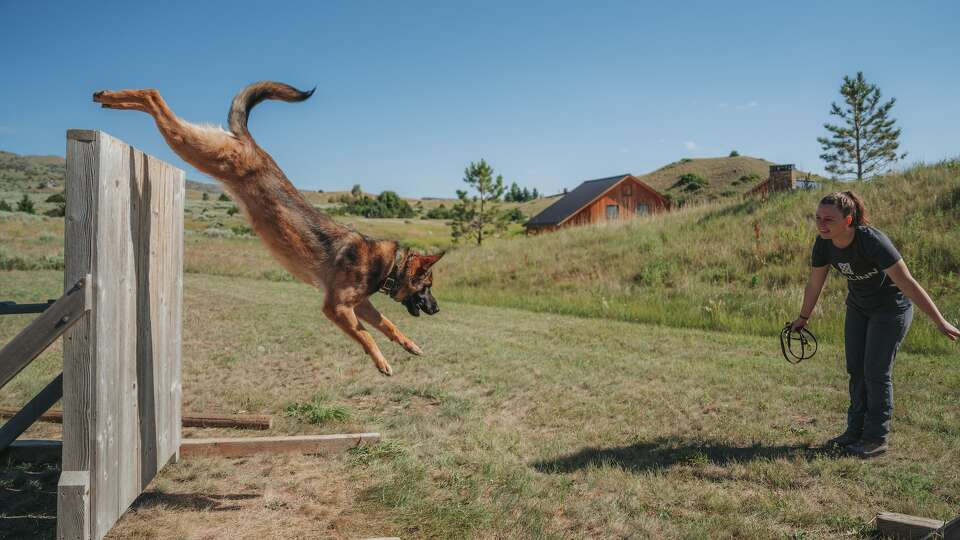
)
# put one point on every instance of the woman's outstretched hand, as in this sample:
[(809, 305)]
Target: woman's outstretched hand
[(948, 330), (797, 324)]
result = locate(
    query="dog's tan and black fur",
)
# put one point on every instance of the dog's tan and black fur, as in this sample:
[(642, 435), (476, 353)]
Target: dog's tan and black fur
[(347, 265)]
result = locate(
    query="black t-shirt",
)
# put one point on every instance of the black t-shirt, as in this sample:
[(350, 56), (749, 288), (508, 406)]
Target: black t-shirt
[(862, 263)]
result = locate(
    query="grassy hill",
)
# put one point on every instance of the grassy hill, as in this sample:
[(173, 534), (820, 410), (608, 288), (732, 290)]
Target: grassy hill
[(735, 266), (725, 176)]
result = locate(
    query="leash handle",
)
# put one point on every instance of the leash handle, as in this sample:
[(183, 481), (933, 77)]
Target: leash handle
[(807, 343)]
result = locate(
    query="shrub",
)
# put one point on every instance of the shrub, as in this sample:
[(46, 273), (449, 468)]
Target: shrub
[(387, 205), (514, 215), (205, 196), (25, 205), (59, 211), (56, 198), (223, 197), (734, 153), (691, 182), (440, 212), (5, 206), (232, 210)]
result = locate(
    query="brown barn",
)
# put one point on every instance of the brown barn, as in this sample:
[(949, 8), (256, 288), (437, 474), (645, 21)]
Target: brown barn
[(596, 201)]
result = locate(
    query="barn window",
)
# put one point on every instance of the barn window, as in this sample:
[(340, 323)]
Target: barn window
[(613, 211), (627, 190), (642, 209)]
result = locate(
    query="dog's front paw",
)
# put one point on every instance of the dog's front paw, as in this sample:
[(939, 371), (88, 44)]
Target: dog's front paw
[(412, 347), (98, 96)]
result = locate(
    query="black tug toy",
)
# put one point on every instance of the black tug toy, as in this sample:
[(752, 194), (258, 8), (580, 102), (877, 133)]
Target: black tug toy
[(797, 345)]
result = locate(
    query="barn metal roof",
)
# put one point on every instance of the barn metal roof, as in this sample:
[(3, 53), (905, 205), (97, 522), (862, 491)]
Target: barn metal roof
[(574, 200)]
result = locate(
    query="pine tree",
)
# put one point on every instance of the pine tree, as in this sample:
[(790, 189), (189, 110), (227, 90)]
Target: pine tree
[(476, 216), (866, 143)]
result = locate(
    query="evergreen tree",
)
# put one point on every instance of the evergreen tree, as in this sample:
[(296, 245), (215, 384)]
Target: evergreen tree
[(476, 216), (866, 142)]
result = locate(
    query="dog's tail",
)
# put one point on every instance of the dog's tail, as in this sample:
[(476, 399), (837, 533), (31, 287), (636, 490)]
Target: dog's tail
[(248, 98)]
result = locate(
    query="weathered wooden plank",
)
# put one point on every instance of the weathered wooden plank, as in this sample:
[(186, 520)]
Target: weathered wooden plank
[(129, 163), (34, 409), (301, 444), (903, 526), (73, 505), (44, 330), (79, 343), (111, 252), (176, 178), (234, 421)]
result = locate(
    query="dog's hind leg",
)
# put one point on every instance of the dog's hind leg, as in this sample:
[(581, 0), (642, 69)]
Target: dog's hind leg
[(366, 311), (344, 317), (209, 149)]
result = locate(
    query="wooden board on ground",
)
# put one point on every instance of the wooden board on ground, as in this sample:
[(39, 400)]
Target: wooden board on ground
[(301, 444), (903, 526)]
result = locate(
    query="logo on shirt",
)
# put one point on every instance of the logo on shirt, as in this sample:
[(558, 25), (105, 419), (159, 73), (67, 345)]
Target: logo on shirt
[(845, 268)]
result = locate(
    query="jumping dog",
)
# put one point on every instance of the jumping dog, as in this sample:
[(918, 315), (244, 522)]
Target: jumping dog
[(348, 266)]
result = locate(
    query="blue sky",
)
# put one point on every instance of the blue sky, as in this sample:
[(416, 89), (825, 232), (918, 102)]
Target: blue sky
[(549, 93)]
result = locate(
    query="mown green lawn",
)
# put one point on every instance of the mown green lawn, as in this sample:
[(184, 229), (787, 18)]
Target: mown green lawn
[(519, 425)]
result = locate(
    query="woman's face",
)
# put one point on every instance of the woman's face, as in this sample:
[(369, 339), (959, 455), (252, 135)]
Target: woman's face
[(831, 222)]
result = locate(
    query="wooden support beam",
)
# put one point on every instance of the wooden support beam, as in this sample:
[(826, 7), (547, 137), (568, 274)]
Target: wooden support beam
[(25, 417), (73, 506), (237, 421), (902, 526), (13, 308), (44, 330), (33, 451), (301, 444)]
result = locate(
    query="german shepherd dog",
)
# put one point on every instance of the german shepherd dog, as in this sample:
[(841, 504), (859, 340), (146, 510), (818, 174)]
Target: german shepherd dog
[(348, 266)]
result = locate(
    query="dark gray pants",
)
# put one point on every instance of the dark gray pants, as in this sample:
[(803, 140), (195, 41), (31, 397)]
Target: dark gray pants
[(872, 341)]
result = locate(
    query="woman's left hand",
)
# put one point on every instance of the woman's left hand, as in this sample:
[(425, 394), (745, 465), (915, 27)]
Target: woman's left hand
[(948, 330)]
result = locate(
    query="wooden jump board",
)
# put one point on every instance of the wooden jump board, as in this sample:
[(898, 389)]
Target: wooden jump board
[(49, 450)]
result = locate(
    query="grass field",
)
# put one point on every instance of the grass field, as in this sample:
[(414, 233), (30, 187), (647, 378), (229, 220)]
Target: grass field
[(516, 425), (613, 381)]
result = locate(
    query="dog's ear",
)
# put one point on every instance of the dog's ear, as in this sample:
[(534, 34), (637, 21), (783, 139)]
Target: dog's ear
[(422, 263)]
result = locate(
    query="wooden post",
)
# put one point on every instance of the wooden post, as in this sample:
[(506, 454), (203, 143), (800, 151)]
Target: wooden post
[(73, 506)]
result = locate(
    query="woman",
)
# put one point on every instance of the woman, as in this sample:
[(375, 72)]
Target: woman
[(880, 297)]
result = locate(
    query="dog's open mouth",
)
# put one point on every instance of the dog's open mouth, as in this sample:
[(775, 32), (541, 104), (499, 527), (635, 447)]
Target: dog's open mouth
[(415, 304)]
